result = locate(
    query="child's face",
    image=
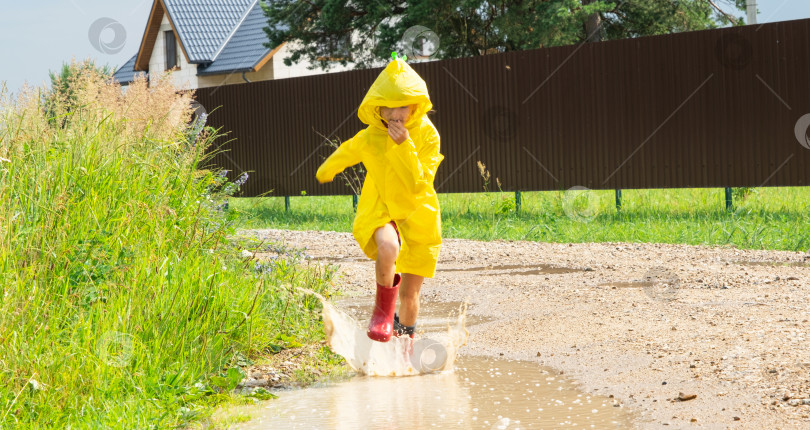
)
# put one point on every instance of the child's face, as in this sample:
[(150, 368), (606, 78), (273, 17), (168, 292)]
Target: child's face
[(396, 115)]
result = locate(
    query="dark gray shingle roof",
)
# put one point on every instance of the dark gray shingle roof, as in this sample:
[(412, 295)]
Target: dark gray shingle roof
[(203, 32), (204, 25), (126, 73), (245, 49)]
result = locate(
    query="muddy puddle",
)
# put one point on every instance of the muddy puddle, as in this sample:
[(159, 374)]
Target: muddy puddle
[(535, 269), (479, 393), (462, 392), (665, 290), (531, 269), (775, 263), (628, 284), (341, 259)]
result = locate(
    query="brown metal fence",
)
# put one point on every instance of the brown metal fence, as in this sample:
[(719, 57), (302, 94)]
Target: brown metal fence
[(715, 108)]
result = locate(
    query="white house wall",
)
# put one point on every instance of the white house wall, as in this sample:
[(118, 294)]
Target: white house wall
[(186, 76), (300, 69)]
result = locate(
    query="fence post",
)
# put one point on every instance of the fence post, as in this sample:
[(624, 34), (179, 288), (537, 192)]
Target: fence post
[(287, 203), (354, 202), (618, 200), (518, 201), (729, 202)]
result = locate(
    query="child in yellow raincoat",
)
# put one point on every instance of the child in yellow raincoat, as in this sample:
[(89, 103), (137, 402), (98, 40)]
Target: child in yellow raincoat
[(398, 223)]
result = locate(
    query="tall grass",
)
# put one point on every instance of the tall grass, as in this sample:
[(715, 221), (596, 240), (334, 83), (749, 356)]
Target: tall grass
[(122, 300), (766, 218)]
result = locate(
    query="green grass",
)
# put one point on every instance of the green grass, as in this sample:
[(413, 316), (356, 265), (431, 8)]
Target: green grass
[(124, 300), (765, 218)]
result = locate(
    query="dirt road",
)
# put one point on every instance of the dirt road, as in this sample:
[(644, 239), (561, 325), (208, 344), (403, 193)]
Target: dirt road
[(642, 322)]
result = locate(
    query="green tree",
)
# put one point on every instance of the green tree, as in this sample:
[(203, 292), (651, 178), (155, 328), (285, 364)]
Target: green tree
[(62, 83), (364, 32)]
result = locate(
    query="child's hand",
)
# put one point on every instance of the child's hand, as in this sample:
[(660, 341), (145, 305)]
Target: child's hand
[(322, 176), (397, 131)]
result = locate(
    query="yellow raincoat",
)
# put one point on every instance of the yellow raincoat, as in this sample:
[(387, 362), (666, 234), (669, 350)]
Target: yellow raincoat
[(399, 180)]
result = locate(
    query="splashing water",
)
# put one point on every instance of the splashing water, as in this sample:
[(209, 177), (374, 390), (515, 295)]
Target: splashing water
[(401, 356)]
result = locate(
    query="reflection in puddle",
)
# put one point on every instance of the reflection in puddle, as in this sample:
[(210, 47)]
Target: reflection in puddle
[(537, 269), (480, 393)]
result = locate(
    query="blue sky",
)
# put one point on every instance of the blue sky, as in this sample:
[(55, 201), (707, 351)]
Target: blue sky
[(38, 36)]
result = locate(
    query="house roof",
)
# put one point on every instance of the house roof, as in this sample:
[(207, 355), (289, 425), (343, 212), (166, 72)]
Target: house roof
[(245, 49), (221, 36), (204, 26), (126, 74)]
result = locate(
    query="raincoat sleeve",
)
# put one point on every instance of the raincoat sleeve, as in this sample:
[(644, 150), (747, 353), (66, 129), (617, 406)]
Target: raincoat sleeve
[(415, 167), (347, 155)]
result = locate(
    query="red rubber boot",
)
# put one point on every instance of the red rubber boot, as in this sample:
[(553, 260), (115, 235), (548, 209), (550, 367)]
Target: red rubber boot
[(381, 325)]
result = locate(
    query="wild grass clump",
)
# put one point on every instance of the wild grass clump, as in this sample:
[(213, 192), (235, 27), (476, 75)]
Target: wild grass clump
[(123, 304)]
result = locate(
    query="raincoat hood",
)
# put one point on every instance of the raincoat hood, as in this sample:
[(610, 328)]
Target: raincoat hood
[(397, 85)]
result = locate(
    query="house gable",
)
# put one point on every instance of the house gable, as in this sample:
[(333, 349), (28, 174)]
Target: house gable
[(150, 36), (221, 41), (202, 26), (184, 74)]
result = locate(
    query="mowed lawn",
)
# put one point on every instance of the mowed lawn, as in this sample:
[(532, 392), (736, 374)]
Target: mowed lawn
[(761, 218)]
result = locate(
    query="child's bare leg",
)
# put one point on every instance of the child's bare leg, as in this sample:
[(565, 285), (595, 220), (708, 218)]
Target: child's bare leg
[(387, 250), (381, 324), (409, 298)]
